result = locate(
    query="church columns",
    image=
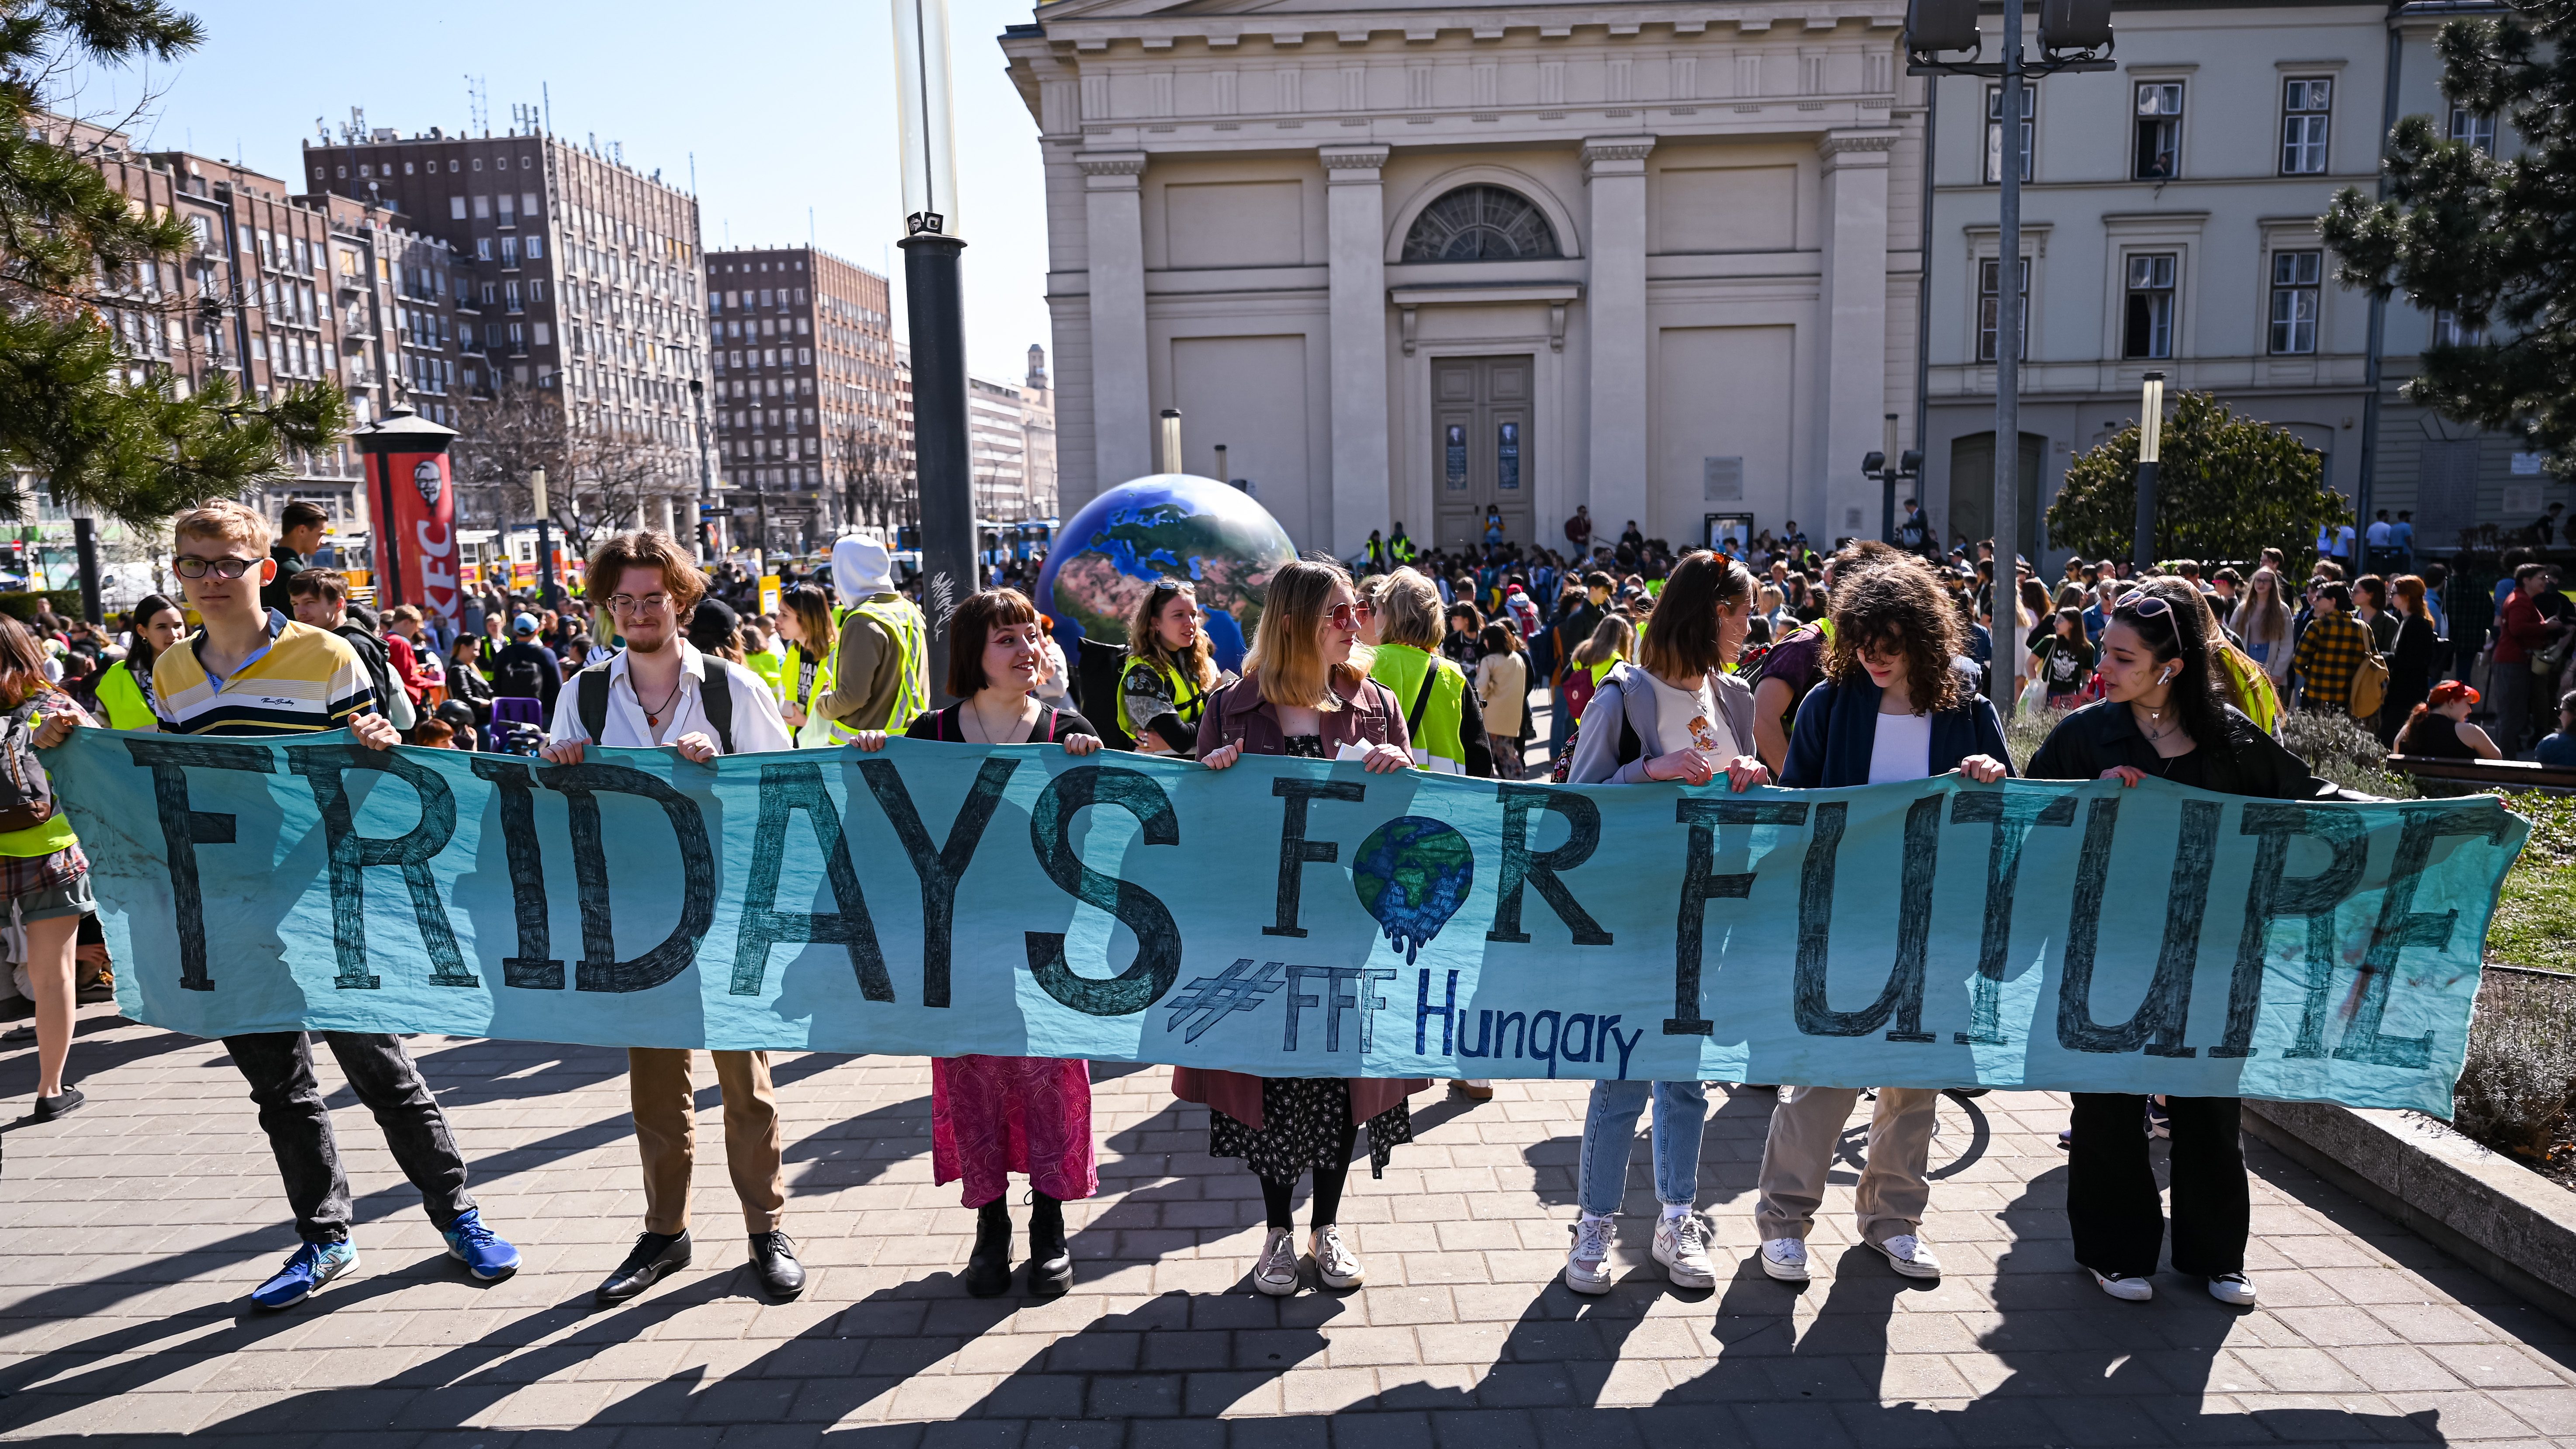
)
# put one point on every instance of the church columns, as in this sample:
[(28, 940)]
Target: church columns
[(1852, 384), (1121, 399), (1355, 213), (1615, 308)]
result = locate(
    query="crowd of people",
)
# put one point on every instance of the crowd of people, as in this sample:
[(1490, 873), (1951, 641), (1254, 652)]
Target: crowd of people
[(1760, 663)]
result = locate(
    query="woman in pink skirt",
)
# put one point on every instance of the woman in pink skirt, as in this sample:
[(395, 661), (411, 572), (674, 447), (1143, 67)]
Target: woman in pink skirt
[(993, 1116)]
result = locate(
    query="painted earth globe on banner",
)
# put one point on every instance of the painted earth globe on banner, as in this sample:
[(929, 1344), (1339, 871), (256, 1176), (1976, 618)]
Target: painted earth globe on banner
[(1412, 875), (1163, 526)]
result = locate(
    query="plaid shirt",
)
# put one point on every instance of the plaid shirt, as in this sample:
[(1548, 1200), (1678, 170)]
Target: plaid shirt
[(2330, 652)]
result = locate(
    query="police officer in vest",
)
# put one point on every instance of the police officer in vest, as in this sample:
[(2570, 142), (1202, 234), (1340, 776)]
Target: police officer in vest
[(806, 625), (1440, 711), (881, 666), (1170, 672)]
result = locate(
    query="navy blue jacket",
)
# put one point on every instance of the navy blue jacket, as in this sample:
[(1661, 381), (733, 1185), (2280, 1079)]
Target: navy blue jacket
[(1837, 728)]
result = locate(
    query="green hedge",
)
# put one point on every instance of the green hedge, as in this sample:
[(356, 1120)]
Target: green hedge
[(22, 606)]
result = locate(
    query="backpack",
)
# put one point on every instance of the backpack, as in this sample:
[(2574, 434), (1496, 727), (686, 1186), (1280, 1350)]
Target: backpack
[(391, 700), (519, 679), (1630, 747), (717, 697), (26, 796), (2369, 686)]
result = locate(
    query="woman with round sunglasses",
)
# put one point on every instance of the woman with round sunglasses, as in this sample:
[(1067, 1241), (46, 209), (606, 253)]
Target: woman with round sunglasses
[(1895, 703), (2164, 713), (1302, 696)]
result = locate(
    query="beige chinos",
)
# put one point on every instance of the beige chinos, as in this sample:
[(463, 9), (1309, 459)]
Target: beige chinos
[(1806, 1126)]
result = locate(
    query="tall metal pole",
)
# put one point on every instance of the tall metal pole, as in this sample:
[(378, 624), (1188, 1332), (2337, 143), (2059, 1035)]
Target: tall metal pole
[(2377, 346), (85, 547), (706, 478), (2007, 523), (933, 305)]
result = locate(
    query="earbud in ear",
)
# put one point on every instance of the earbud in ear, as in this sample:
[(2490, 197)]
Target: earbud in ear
[(2167, 676)]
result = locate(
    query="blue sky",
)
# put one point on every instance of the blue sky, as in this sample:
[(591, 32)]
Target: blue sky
[(787, 105)]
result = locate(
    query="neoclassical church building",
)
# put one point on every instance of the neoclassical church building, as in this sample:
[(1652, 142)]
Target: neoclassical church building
[(1409, 262)]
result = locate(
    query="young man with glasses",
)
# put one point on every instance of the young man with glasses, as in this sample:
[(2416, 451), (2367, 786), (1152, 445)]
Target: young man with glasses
[(661, 692), (252, 671)]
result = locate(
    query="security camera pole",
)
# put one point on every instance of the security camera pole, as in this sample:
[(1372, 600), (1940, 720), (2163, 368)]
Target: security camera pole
[(935, 310), (2074, 35)]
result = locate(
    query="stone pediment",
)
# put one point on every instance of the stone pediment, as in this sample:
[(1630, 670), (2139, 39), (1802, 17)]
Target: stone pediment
[(1394, 14)]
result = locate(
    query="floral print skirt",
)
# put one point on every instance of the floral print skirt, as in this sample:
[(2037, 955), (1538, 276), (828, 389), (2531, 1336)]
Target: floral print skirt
[(993, 1116)]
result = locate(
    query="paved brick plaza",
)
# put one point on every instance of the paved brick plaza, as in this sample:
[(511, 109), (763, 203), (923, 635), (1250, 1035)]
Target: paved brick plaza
[(135, 1226)]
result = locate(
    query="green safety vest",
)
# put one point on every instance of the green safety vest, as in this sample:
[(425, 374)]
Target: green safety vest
[(817, 733), (1188, 700), (55, 833), (912, 673), (1401, 667), (766, 665), (1402, 548), (122, 697)]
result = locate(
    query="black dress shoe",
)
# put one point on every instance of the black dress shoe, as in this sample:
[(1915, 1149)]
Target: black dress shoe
[(655, 1255), (1050, 1261), (988, 1268), (773, 1257), (62, 1104)]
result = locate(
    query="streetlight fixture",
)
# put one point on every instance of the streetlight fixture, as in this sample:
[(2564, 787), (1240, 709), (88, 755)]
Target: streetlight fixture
[(935, 307), (2151, 437), (1908, 466), (545, 549), (2074, 35)]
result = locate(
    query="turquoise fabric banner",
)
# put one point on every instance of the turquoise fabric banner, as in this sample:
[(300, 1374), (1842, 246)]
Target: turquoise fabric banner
[(1295, 918)]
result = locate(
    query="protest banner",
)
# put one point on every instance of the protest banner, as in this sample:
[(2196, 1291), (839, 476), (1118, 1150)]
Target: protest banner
[(1298, 918)]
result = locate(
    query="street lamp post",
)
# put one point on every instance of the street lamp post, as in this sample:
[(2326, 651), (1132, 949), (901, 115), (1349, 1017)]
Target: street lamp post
[(706, 478), (2074, 35), (934, 305), (2151, 434), (545, 549)]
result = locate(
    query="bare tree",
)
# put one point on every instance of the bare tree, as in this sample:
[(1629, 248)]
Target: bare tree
[(599, 476), (503, 438), (876, 478)]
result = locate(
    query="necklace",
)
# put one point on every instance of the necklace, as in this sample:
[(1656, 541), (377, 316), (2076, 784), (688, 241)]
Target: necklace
[(653, 713)]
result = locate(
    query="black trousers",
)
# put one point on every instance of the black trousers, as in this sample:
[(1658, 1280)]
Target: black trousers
[(2111, 1198), (279, 1066)]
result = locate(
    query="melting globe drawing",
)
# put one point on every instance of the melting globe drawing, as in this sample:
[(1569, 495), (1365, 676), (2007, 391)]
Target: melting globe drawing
[(1412, 875), (1163, 526)]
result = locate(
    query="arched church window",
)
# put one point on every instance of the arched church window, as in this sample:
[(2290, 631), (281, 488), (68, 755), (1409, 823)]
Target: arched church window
[(1480, 224)]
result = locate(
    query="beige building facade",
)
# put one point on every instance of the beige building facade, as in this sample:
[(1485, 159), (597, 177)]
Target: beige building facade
[(1413, 263)]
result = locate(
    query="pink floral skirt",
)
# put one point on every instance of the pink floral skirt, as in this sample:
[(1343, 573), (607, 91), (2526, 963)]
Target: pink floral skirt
[(993, 1116)]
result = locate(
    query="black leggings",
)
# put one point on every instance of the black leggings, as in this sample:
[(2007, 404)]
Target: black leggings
[(1276, 1197)]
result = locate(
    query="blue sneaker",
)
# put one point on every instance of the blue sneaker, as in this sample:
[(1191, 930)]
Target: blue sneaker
[(485, 1253), (312, 1265)]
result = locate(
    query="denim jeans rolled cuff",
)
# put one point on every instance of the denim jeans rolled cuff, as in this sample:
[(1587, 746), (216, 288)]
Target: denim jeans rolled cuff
[(279, 1067), (1610, 1133)]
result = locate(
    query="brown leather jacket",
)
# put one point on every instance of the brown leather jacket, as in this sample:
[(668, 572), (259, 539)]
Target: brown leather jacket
[(1238, 712)]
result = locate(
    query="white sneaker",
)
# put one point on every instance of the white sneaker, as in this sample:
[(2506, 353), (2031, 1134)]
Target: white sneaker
[(2233, 1289), (1681, 1245), (1335, 1263), (2129, 1290), (1275, 1271), (1587, 1263), (1785, 1259), (1910, 1256)]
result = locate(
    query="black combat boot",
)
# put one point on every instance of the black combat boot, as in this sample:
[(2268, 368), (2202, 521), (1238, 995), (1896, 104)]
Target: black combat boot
[(988, 1268), (1050, 1261)]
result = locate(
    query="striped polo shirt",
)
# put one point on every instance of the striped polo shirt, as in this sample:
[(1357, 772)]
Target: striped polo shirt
[(306, 680)]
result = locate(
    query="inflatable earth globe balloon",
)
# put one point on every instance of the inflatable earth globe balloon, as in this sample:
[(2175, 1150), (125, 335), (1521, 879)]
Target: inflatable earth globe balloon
[(1163, 526)]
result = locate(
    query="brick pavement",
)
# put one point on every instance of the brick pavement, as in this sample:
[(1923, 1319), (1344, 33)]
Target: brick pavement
[(133, 1228)]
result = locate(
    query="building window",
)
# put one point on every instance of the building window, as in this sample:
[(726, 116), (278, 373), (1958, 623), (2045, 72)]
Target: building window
[(2447, 331), (2149, 329), (1995, 131), (2159, 153), (2473, 128), (1990, 308), (482, 207), (1480, 224), (2294, 302), (2304, 110)]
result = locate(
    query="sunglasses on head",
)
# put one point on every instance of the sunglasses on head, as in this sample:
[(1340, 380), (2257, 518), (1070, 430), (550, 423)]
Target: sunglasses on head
[(2145, 605)]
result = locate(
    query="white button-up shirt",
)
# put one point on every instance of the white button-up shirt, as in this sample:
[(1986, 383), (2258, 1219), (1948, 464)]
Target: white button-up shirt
[(756, 725)]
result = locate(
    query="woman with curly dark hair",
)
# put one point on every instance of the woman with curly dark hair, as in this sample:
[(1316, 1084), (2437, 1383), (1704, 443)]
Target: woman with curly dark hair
[(2164, 713), (1897, 703)]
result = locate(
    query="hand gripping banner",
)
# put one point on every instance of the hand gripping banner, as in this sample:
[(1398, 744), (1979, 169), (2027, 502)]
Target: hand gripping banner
[(1298, 918)]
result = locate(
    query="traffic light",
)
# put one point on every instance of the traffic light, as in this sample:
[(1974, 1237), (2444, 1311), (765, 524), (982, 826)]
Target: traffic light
[(1938, 25), (2074, 25)]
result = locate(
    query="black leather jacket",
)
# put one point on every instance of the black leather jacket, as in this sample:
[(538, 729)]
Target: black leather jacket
[(2104, 734)]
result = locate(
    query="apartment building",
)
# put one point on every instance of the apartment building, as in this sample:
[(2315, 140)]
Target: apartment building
[(2169, 223), (802, 391), (574, 275), (280, 290)]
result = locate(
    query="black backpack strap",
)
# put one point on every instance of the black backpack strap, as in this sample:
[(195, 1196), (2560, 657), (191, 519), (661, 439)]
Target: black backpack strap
[(593, 703), (718, 701), (1421, 701)]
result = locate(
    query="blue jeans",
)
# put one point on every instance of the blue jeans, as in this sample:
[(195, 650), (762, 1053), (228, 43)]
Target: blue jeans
[(1610, 1131)]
